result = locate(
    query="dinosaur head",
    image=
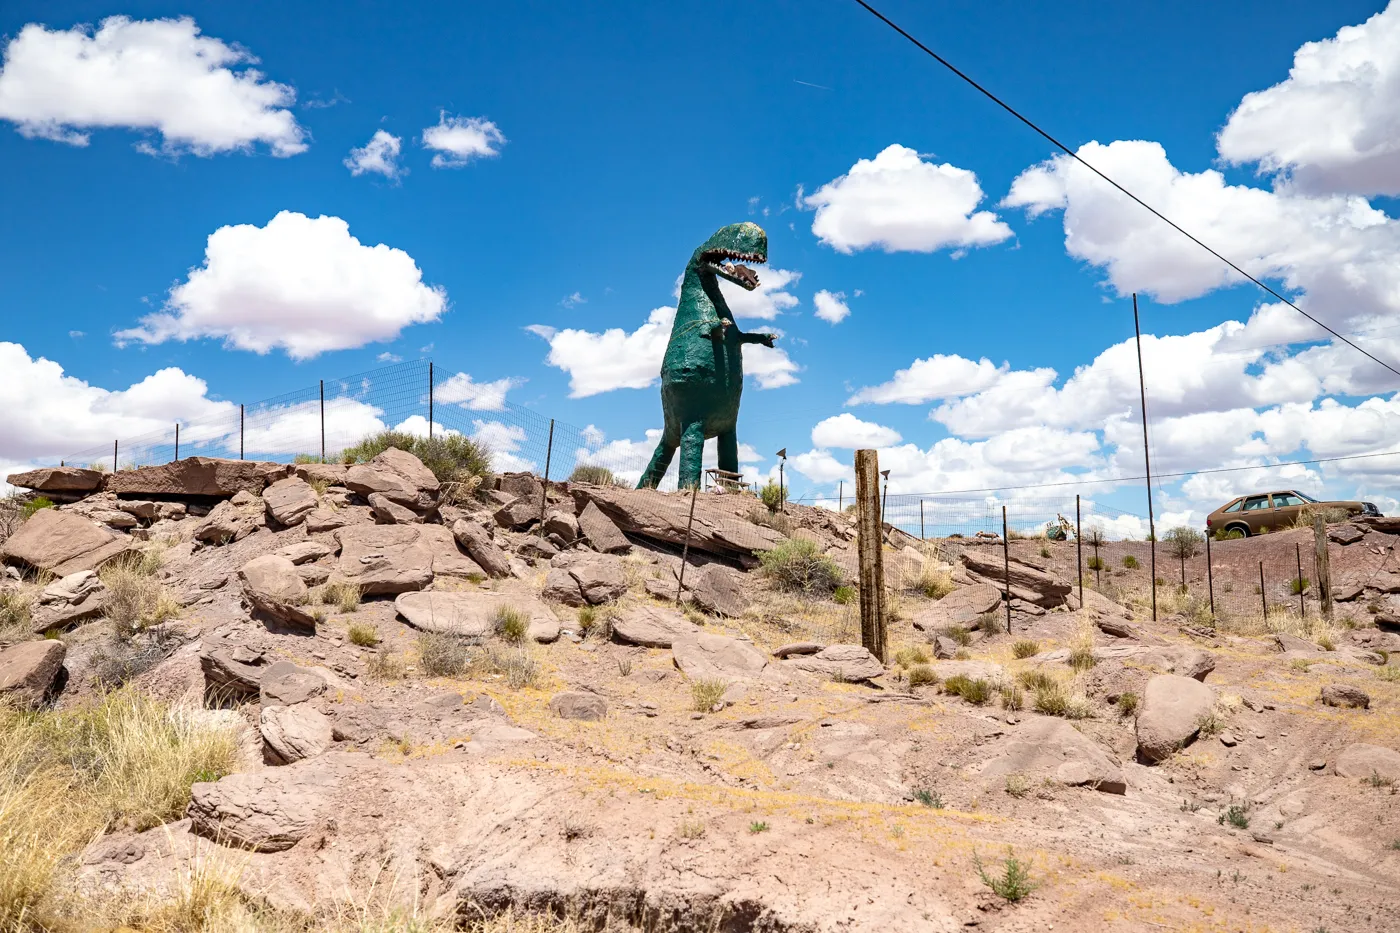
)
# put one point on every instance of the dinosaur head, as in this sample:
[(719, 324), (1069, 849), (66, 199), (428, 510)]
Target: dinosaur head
[(724, 253)]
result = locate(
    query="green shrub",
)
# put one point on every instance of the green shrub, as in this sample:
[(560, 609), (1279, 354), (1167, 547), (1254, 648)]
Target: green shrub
[(1130, 562), (908, 657), (844, 595), (597, 475), (976, 691), (1025, 648), (363, 634), (772, 496), (957, 634), (33, 505), (1014, 884), (453, 458), (1094, 563), (929, 798), (511, 624), (798, 565), (1237, 815), (1230, 535), (933, 582), (704, 694), (1183, 542), (1011, 696), (1127, 704), (1299, 585), (921, 675)]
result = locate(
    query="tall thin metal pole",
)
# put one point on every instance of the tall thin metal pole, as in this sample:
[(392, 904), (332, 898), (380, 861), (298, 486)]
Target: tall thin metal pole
[(1210, 577), (921, 519), (1263, 598), (685, 550), (1079, 550), (430, 400), (1006, 564), (323, 421), (782, 489), (240, 432), (1302, 606), (1147, 457), (177, 440), (1323, 564), (841, 496), (884, 499), (544, 492), (114, 456)]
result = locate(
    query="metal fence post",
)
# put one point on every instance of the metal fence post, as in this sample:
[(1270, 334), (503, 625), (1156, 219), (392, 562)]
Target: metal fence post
[(1263, 599), (1079, 550), (1006, 564), (1302, 605), (1324, 566), (240, 432), (685, 551), (114, 456), (430, 400), (1210, 577), (921, 519), (544, 494), (323, 421), (841, 496), (177, 440)]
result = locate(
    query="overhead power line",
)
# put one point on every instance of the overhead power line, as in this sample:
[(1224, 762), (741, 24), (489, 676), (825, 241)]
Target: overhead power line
[(1073, 155)]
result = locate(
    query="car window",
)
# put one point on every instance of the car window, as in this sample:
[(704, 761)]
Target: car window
[(1283, 500), (1256, 502), (1304, 496), (1235, 506)]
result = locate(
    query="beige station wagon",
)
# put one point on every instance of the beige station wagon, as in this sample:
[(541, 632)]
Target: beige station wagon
[(1274, 511)]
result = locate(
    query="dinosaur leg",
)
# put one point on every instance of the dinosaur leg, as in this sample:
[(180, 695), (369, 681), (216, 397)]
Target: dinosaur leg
[(728, 443), (660, 462), (692, 450)]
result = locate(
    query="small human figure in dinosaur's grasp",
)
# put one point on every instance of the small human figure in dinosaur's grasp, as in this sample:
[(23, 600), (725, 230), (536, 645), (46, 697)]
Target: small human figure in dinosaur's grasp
[(702, 375)]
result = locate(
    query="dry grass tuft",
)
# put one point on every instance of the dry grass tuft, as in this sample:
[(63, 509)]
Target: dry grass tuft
[(705, 694), (136, 599), (362, 634), (442, 654), (511, 624)]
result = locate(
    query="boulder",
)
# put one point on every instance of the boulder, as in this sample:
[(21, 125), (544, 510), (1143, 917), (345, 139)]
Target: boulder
[(579, 705), (1288, 642), (274, 809), (1045, 747), (562, 524), (521, 486), (1345, 533), (716, 589), (388, 512), (1028, 583), (1389, 524), (1361, 761), (705, 656), (471, 614), (1346, 696), (332, 474), (228, 522), (289, 500), (384, 559), (448, 559), (319, 520), (273, 587), (283, 683), (518, 514), (305, 551), (477, 543), (600, 531), (62, 543), (398, 476), (944, 647), (69, 600), (651, 627), (797, 648), (231, 674), (962, 607), (291, 733), (849, 663), (142, 509), (30, 672), (1170, 716), (581, 578), (649, 513), (1178, 659), (197, 476), (58, 479)]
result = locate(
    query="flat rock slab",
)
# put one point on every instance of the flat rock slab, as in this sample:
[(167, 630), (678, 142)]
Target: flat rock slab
[(579, 578), (973, 670), (197, 476), (62, 543), (292, 733), (962, 607), (849, 663), (1361, 761), (1028, 583), (289, 500), (579, 705), (283, 683), (651, 627), (1171, 713), (59, 479), (272, 810), (448, 559), (662, 516), (305, 551), (470, 614), (72, 599), (797, 648), (29, 671), (476, 541), (1045, 747), (706, 656), (602, 533), (272, 586), (228, 522), (718, 590), (385, 559)]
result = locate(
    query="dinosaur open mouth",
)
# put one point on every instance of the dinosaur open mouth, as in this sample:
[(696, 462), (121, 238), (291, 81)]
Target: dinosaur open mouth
[(735, 271)]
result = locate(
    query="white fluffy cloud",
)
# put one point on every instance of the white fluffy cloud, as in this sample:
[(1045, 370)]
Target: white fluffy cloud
[(197, 92), (627, 458), (936, 377), (899, 202), (616, 359), (379, 156), (304, 285), (504, 442), (846, 430), (477, 396), (767, 301), (1333, 124), (47, 414), (831, 306), (458, 140)]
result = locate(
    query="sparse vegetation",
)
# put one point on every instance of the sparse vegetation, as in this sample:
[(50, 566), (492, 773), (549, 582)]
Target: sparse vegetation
[(799, 566), (16, 609), (516, 664), (1232, 534), (957, 634), (385, 665), (1012, 697), (136, 599), (1025, 648), (706, 694), (921, 675), (691, 829), (453, 458), (1183, 542), (1013, 884), (1130, 562), (597, 475), (119, 660), (1237, 815), (1081, 654), (31, 506), (363, 634), (1299, 585), (910, 655), (991, 622), (442, 654), (844, 595), (771, 495), (1210, 724), (1094, 563), (1127, 704), (1052, 698), (929, 798), (1017, 784), (932, 581), (758, 826), (341, 594), (974, 690), (511, 625)]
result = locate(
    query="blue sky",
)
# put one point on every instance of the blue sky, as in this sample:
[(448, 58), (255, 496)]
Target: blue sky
[(583, 151)]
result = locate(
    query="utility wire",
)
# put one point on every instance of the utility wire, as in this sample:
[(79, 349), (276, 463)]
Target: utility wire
[(1067, 151), (1130, 479)]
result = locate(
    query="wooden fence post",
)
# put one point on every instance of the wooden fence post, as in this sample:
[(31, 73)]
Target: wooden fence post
[(871, 557), (1324, 566)]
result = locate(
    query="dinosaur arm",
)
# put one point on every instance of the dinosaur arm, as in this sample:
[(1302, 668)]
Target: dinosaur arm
[(765, 339)]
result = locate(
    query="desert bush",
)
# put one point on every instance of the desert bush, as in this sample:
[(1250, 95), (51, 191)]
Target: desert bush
[(908, 656), (516, 664), (1013, 884), (1183, 542), (119, 660), (1017, 785), (976, 691), (363, 634), (956, 634), (922, 675), (932, 581), (33, 505), (453, 458), (136, 599), (442, 654), (1035, 680), (704, 694), (1094, 563), (126, 761), (342, 594), (1330, 515), (771, 495), (597, 475), (511, 624), (1127, 704), (1299, 585), (844, 595), (992, 622), (1230, 535), (1081, 655), (1011, 696), (1130, 562), (17, 610), (1025, 648), (798, 565), (385, 665), (1236, 814)]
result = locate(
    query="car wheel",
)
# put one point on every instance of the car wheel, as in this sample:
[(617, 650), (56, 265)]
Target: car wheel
[(1242, 529)]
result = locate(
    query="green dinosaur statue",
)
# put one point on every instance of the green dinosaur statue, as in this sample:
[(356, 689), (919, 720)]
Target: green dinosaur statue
[(702, 375)]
